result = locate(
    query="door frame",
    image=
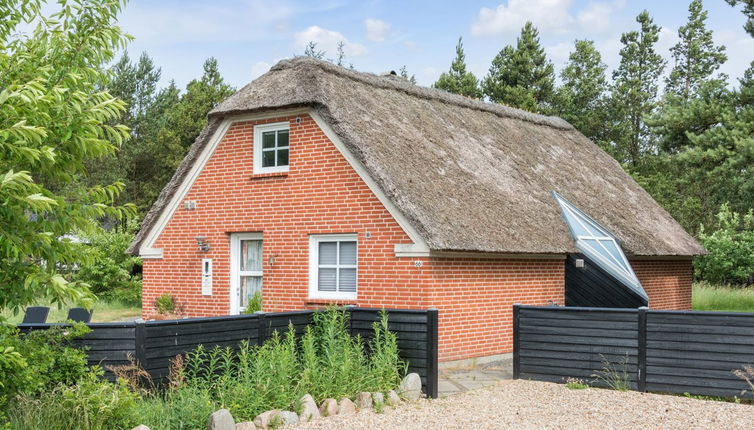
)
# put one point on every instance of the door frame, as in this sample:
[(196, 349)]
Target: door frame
[(235, 277)]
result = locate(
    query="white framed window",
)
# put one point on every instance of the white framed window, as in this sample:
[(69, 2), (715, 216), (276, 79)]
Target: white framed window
[(271, 147), (245, 269), (333, 266)]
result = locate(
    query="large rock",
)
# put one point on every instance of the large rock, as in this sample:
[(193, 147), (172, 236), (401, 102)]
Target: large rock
[(411, 387), (346, 406), (268, 419), (378, 399), (328, 408), (289, 417), (140, 427), (393, 399), (221, 420), (309, 410), (364, 400), (246, 425)]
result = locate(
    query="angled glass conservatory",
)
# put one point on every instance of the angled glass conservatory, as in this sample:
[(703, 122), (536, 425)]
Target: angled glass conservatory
[(600, 274)]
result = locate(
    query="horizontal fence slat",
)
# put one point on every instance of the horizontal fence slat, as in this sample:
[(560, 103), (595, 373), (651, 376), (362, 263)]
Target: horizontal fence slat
[(694, 352)]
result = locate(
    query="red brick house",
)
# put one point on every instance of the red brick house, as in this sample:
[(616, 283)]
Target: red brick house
[(315, 185)]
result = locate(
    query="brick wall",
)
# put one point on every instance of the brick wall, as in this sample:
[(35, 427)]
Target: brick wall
[(667, 282), (475, 299), (320, 194)]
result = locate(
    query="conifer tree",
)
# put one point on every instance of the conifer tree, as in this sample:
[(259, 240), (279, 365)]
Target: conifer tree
[(457, 80), (695, 55), (634, 91), (580, 99), (522, 76)]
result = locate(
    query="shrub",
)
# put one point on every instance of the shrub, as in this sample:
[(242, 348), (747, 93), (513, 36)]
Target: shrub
[(91, 404), (255, 303), (730, 258), (108, 270), (165, 304), (38, 360)]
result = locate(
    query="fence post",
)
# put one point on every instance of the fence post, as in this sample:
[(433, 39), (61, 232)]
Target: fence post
[(262, 328), (140, 343), (516, 340), (642, 350), (432, 366)]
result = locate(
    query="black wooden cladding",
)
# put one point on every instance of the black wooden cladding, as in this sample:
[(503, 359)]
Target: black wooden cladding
[(590, 286), (668, 351), (154, 343)]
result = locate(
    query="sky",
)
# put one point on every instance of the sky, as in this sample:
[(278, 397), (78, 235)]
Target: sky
[(249, 36)]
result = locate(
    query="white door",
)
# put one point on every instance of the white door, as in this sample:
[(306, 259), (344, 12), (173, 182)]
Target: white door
[(245, 269)]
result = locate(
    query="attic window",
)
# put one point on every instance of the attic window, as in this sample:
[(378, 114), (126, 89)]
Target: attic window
[(599, 245), (271, 148)]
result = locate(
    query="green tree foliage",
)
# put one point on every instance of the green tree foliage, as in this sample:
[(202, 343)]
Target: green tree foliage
[(108, 270), (457, 80), (172, 121), (521, 77), (53, 119), (695, 55), (634, 91), (581, 99), (731, 249)]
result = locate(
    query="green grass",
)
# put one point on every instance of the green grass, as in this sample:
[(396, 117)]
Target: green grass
[(103, 312), (707, 297)]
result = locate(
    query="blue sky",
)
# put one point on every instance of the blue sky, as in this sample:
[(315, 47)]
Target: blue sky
[(248, 36)]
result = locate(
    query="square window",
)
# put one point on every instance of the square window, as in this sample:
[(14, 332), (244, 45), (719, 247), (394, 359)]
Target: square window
[(271, 148), (333, 266)]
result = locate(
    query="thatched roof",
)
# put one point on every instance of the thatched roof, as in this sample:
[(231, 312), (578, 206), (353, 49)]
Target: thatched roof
[(468, 175)]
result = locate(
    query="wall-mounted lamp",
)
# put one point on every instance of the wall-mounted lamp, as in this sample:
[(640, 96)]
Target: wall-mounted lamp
[(203, 243), (271, 260)]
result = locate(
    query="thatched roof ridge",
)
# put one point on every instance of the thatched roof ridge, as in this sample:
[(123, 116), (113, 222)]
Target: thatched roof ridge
[(239, 102), (467, 175)]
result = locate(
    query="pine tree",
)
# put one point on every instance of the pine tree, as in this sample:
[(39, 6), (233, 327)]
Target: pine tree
[(634, 91), (580, 99), (696, 56), (521, 77), (404, 74), (312, 51), (457, 80)]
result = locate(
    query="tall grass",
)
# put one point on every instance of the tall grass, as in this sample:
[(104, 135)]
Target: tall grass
[(709, 297), (325, 362)]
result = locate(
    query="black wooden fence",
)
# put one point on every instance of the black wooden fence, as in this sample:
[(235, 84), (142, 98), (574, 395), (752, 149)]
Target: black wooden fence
[(664, 351), (154, 343)]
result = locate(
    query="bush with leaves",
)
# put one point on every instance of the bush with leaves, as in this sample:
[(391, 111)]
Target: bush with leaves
[(35, 361), (93, 403), (106, 267), (730, 247)]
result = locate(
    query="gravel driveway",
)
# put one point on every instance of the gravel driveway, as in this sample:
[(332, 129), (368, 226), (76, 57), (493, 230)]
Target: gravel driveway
[(523, 405)]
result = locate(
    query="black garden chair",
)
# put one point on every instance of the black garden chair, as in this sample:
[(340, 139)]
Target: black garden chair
[(79, 315), (36, 315)]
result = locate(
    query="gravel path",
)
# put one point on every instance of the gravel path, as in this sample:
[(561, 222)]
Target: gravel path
[(524, 405)]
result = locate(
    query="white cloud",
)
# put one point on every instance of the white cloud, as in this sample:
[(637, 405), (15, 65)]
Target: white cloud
[(376, 29), (327, 40), (552, 16), (596, 17), (259, 68)]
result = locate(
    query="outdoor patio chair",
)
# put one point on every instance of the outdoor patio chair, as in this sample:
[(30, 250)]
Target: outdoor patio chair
[(79, 315), (36, 315)]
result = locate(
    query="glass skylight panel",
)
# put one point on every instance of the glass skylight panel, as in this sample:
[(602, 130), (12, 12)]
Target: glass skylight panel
[(597, 243)]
